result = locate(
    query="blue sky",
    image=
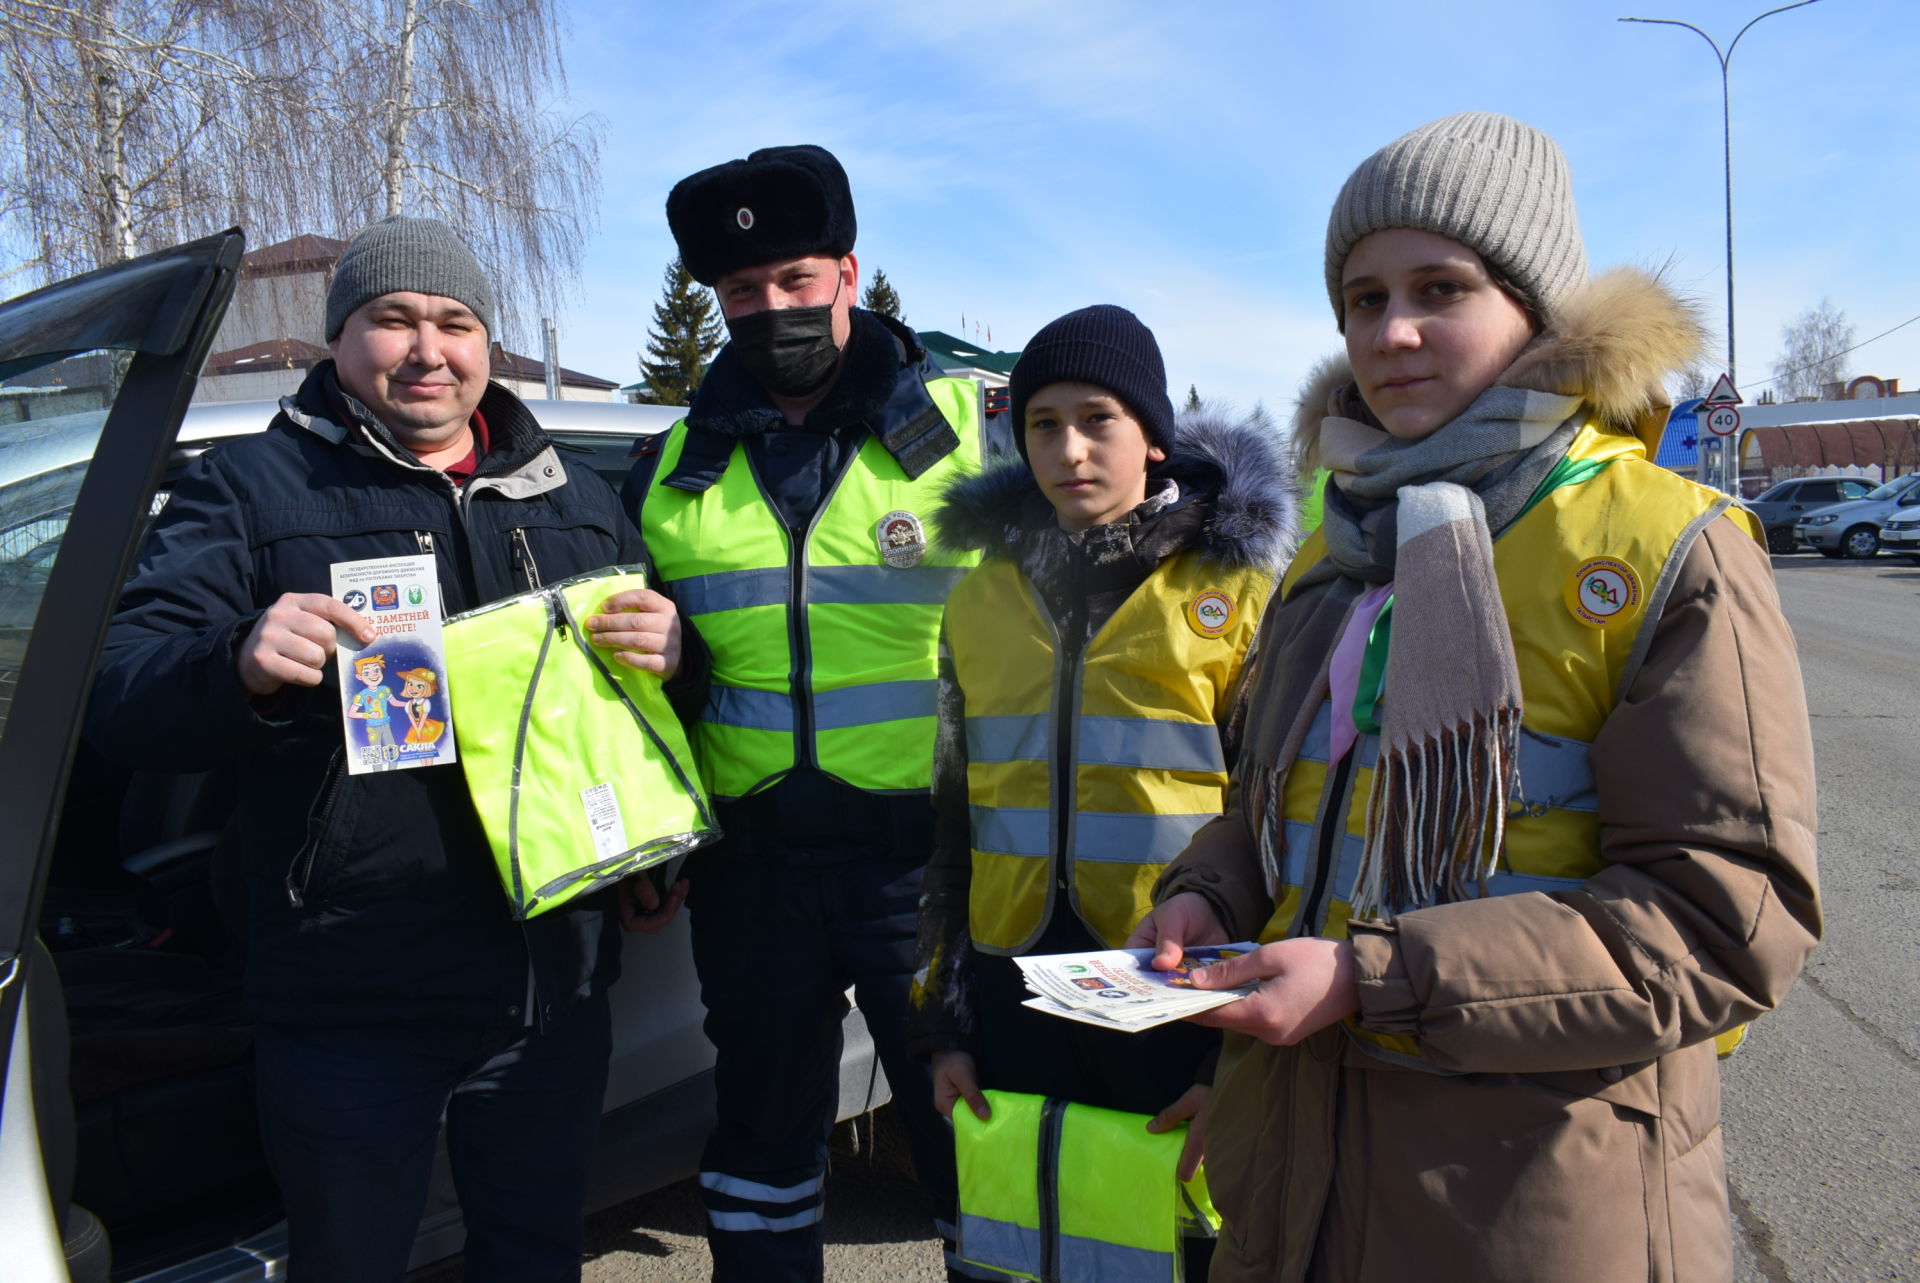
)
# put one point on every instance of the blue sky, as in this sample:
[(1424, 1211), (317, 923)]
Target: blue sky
[(1012, 161)]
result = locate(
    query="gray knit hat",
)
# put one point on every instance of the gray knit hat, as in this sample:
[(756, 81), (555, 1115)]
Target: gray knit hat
[(423, 255), (1497, 186)]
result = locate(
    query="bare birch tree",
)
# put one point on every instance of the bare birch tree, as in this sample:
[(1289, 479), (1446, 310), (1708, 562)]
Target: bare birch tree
[(130, 124), (1813, 348), (442, 108)]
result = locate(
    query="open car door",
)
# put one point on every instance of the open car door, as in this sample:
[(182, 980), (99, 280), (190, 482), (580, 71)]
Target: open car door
[(95, 374)]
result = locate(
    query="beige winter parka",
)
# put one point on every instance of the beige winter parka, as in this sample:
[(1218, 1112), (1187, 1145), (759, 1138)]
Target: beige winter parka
[(1567, 1129)]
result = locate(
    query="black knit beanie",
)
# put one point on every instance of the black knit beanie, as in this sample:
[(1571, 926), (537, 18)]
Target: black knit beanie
[(1108, 347)]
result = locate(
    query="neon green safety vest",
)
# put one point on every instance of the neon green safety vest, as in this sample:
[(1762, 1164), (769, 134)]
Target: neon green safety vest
[(1066, 1193), (576, 764), (1582, 573), (824, 654), (1139, 766)]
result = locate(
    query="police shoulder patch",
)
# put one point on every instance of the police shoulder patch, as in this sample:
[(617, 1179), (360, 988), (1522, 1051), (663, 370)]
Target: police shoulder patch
[(1601, 590), (1212, 612)]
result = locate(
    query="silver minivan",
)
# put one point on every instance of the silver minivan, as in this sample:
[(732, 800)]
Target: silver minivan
[(1852, 529)]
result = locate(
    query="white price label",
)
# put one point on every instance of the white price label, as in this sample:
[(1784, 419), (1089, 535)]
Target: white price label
[(604, 821)]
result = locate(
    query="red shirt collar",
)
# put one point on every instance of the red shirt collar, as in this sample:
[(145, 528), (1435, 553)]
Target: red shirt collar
[(466, 467)]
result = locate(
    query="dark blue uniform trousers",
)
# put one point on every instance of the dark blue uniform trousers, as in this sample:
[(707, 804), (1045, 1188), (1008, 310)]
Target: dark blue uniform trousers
[(777, 942), (349, 1116)]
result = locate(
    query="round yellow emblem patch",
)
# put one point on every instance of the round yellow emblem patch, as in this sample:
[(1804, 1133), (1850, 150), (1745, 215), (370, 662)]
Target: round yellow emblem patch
[(1211, 613), (1601, 589)]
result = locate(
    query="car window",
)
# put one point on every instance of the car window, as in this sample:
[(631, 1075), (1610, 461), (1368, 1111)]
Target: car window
[(94, 374), (1895, 488), (1819, 492), (1778, 493), (1854, 489), (50, 420), (609, 454)]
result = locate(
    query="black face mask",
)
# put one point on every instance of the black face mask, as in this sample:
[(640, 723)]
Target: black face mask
[(789, 350)]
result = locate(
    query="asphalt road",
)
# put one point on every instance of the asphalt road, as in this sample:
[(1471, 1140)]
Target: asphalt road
[(1822, 1106)]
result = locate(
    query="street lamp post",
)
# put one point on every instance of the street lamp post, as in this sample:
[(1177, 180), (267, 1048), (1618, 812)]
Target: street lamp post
[(1726, 137)]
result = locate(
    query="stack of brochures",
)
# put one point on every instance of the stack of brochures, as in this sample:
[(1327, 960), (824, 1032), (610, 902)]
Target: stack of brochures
[(1119, 989)]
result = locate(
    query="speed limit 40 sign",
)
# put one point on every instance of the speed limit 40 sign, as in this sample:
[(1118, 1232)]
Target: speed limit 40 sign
[(1723, 420)]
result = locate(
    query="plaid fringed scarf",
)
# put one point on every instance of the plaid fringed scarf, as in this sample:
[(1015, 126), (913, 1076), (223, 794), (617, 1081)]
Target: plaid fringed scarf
[(1437, 813), (1421, 515)]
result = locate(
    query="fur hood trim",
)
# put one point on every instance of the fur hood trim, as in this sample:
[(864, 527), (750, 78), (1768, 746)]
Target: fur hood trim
[(1613, 343), (1238, 467)]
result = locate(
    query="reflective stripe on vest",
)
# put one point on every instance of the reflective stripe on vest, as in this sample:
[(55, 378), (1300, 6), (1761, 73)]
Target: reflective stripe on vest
[(1140, 756), (825, 655), (1571, 675), (1103, 1204)]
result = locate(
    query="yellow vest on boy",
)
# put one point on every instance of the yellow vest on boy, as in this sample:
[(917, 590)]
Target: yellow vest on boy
[(1089, 768)]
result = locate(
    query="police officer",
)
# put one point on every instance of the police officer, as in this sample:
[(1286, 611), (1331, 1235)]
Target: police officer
[(789, 512)]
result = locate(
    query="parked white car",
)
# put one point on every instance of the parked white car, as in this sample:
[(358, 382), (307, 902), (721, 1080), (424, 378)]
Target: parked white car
[(1901, 533)]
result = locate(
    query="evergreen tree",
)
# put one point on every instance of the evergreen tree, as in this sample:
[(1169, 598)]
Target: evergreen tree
[(1193, 398), (687, 331), (881, 297)]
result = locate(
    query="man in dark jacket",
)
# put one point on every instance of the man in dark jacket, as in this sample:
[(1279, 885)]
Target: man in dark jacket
[(390, 983), (787, 509)]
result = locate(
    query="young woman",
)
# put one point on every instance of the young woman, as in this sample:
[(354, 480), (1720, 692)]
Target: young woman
[(1525, 801), (1090, 669)]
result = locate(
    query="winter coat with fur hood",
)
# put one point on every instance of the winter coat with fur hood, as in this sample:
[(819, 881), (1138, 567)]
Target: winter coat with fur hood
[(1567, 1124), (1222, 495)]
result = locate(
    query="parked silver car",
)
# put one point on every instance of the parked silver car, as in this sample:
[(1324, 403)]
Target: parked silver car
[(1853, 529), (125, 1056), (1784, 504)]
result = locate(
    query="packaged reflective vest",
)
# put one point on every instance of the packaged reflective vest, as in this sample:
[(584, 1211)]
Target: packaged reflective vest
[(1066, 1193), (577, 764)]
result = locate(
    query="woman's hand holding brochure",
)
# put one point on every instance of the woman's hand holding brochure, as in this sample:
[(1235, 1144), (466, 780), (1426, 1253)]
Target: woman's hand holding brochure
[(1121, 989)]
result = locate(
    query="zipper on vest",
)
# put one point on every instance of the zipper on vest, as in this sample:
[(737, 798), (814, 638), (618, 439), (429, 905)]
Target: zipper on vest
[(800, 646), (1066, 716), (1053, 1117), (1333, 830), (801, 695)]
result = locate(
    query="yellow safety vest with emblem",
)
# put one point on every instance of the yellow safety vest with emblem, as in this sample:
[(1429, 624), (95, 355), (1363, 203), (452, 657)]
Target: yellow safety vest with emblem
[(1583, 575), (1066, 1193), (1106, 758), (823, 653)]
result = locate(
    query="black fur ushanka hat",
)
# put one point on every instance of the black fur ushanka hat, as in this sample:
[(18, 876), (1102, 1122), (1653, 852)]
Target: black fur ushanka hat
[(780, 202)]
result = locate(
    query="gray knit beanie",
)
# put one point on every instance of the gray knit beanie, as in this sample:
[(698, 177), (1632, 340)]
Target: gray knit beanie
[(423, 255), (1497, 186)]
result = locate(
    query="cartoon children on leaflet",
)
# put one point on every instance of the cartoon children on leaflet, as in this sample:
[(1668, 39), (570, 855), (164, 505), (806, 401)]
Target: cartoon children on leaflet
[(370, 705), (416, 694)]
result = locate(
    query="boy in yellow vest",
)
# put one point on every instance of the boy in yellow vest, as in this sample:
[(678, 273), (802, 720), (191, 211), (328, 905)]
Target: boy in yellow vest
[(1090, 667)]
